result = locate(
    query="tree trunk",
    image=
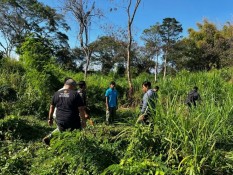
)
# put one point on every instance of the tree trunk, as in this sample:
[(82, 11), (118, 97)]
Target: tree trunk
[(83, 14), (128, 70), (130, 38), (156, 67), (88, 57), (165, 65)]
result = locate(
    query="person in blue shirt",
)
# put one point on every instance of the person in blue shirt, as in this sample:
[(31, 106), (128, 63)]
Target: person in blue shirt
[(111, 103)]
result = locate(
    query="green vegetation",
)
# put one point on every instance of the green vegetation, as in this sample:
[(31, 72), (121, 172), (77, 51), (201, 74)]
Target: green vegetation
[(181, 140)]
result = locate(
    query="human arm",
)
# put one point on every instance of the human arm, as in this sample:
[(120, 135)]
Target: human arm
[(107, 102), (144, 104), (116, 102), (83, 115), (107, 99), (82, 112), (51, 111), (84, 99), (86, 115), (140, 118)]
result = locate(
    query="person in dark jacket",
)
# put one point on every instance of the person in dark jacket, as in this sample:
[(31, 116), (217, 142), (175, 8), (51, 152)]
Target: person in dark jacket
[(193, 97), (82, 92)]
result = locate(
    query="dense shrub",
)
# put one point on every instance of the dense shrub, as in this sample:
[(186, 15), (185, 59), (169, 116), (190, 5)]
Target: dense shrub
[(19, 142), (78, 152), (22, 128), (7, 93), (180, 140)]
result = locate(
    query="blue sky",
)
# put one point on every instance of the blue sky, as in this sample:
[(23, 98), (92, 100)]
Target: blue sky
[(187, 12)]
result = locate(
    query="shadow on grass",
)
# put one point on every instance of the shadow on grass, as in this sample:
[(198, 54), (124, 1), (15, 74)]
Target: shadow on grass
[(226, 146), (127, 116), (22, 128), (123, 116)]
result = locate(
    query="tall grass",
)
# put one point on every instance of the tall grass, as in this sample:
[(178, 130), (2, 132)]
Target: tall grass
[(192, 138), (185, 140), (180, 140)]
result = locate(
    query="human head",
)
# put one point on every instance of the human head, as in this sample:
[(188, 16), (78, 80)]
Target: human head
[(70, 84), (156, 89), (146, 85), (112, 84), (82, 84), (195, 88), (66, 78)]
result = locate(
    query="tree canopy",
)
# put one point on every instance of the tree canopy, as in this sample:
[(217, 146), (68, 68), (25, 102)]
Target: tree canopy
[(20, 18)]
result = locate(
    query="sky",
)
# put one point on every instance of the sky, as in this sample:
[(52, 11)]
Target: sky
[(187, 12)]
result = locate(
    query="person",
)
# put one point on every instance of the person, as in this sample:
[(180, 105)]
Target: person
[(82, 92), (69, 109), (148, 103), (156, 89), (54, 113), (47, 138), (111, 102), (193, 97)]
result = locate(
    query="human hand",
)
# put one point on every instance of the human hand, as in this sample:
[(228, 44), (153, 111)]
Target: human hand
[(91, 122), (87, 116), (50, 122), (140, 118)]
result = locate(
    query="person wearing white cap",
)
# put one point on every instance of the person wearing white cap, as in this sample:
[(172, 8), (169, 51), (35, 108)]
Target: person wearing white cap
[(69, 106)]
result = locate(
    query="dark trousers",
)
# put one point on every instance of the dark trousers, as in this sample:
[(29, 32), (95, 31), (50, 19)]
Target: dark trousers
[(146, 120), (71, 125), (111, 114), (190, 104)]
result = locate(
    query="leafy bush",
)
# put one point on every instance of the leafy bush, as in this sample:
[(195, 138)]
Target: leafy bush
[(16, 158), (18, 143), (27, 129), (7, 93), (78, 153), (180, 140)]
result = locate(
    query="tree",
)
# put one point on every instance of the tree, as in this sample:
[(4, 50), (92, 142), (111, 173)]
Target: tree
[(20, 18), (153, 44), (141, 61), (1, 55), (108, 51), (227, 55), (131, 12), (79, 56), (36, 53), (130, 39), (83, 11), (170, 31), (67, 59), (205, 48)]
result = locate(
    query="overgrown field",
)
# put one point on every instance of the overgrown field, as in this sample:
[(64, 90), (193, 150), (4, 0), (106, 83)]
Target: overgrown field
[(196, 141)]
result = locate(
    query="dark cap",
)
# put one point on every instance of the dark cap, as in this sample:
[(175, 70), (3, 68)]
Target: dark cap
[(113, 83), (71, 82), (195, 88), (83, 83)]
